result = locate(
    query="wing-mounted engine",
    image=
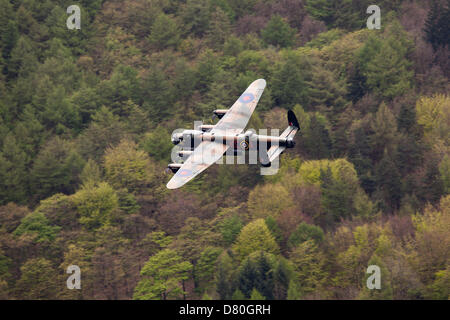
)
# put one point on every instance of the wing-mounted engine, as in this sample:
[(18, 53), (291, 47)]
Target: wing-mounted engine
[(205, 127), (174, 167), (176, 138), (185, 153), (219, 113), (187, 137)]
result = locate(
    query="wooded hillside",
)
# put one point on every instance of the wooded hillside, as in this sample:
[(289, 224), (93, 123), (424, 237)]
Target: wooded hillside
[(85, 122)]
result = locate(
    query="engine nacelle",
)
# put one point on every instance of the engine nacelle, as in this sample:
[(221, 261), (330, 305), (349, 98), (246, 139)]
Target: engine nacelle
[(220, 112), (174, 167), (185, 153), (206, 127), (187, 136), (177, 138)]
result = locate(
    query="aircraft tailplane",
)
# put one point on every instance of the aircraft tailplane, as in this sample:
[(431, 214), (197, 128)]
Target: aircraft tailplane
[(289, 134)]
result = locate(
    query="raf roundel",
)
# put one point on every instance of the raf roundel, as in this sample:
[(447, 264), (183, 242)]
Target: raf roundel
[(247, 98), (185, 172)]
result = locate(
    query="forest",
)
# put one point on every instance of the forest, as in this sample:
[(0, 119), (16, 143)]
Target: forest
[(86, 117)]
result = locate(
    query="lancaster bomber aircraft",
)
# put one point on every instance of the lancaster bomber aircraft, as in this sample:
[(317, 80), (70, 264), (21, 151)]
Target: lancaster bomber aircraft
[(208, 143)]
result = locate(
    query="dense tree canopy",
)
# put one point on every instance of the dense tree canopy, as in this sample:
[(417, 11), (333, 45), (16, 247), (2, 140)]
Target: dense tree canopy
[(85, 123)]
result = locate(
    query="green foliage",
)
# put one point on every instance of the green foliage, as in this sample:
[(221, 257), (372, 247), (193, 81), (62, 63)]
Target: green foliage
[(256, 273), (162, 274), (432, 240), (305, 232), (325, 38), (268, 201), (23, 58), (346, 14), (278, 33), (205, 266), (37, 225), (251, 60), (164, 33), (9, 38), (85, 123), (288, 82), (157, 94), (91, 173), (122, 86), (56, 169), (127, 202), (233, 46), (336, 196), (37, 280), (440, 287), (388, 178), (238, 295), (160, 238), (256, 295), (388, 72), (224, 276), (316, 138), (334, 13), (95, 203), (5, 275), (196, 16), (274, 228), (433, 114), (230, 229), (444, 169), (309, 270), (386, 292), (219, 29), (206, 296), (157, 144), (281, 275), (127, 167), (207, 69), (103, 131), (341, 171), (326, 91), (253, 237), (242, 7), (13, 176), (436, 24)]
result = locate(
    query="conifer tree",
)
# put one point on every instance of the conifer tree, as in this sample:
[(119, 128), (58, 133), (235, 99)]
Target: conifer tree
[(278, 33)]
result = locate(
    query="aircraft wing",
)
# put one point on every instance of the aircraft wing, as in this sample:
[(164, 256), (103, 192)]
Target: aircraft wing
[(237, 117), (204, 155)]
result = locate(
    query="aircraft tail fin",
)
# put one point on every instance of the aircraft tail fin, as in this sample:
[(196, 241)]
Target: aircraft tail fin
[(292, 119), (294, 126), (288, 133)]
